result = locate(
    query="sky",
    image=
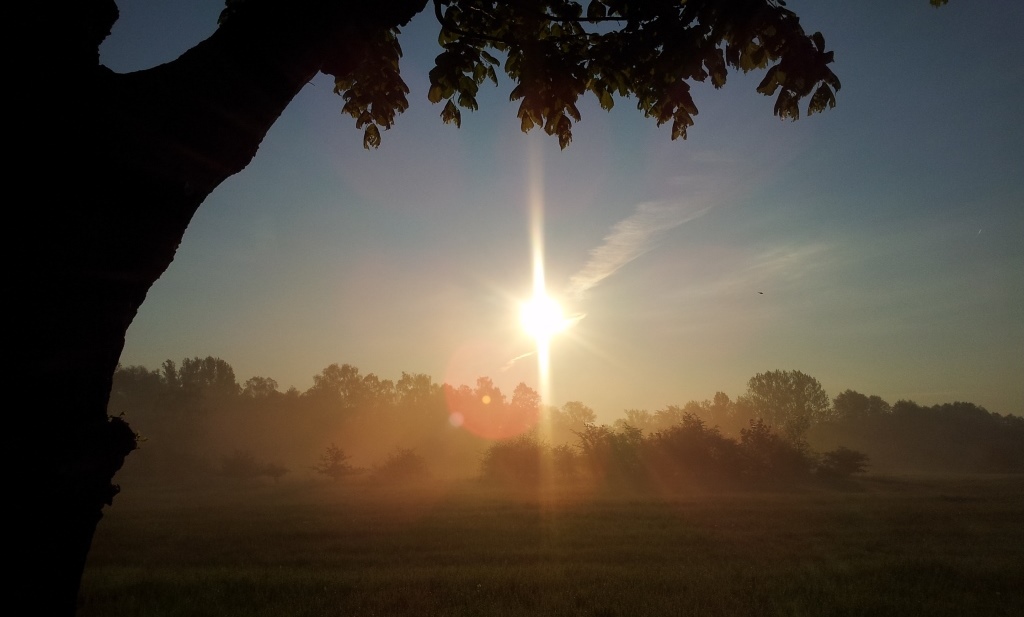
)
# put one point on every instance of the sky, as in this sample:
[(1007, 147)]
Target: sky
[(877, 247)]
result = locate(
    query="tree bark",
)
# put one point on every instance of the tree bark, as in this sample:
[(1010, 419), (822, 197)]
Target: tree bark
[(114, 167)]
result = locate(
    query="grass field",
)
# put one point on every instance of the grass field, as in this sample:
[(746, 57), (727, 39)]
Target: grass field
[(887, 546)]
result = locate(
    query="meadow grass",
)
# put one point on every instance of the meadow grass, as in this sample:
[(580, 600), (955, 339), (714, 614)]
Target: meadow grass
[(884, 546)]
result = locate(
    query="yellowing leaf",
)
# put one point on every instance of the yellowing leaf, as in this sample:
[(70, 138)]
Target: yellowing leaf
[(371, 137)]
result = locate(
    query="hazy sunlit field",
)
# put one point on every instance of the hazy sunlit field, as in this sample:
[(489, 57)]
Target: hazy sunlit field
[(887, 546)]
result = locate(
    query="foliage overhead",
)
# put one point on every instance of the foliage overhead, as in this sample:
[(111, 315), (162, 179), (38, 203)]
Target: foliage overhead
[(556, 51)]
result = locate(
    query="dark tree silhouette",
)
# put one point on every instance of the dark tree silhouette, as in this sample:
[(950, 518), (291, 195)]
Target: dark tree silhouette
[(852, 405), (116, 165), (334, 463), (789, 401)]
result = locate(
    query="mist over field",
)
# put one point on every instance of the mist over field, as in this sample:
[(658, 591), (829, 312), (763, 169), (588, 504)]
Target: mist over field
[(367, 496), (198, 420)]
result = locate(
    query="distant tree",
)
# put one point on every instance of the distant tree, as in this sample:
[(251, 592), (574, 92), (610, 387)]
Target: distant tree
[(690, 450), (209, 376), (570, 419), (565, 461), (637, 418), (417, 391), (789, 401), (851, 405), (518, 460), (721, 411), (523, 411), (377, 393), (338, 385), (243, 465), (260, 388), (401, 466), (577, 416), (612, 457), (334, 463), (772, 457), (169, 372), (275, 471), (525, 399), (842, 463), (486, 393), (134, 389), (668, 416)]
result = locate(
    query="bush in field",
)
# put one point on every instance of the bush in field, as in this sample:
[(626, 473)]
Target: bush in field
[(565, 462), (518, 460), (612, 457), (770, 456), (402, 465), (842, 463), (690, 450), (243, 465), (334, 463)]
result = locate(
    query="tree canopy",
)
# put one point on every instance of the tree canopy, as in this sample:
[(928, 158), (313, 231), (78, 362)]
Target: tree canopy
[(790, 401), (556, 51)]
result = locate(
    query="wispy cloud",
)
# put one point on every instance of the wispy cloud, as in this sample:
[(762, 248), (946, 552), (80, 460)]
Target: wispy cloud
[(628, 239), (509, 364)]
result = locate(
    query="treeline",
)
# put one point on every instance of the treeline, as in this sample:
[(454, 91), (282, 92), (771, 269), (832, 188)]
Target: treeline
[(686, 455), (197, 418)]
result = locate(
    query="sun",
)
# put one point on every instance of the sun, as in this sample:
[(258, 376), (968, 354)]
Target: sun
[(542, 317)]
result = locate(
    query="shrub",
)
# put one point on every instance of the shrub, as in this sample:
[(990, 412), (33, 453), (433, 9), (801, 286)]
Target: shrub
[(612, 457), (402, 465), (565, 462), (842, 463), (243, 465), (770, 456), (334, 463), (690, 450), (517, 460)]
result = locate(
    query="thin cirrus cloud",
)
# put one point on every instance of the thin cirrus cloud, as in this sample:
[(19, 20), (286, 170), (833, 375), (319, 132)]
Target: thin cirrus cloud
[(628, 239)]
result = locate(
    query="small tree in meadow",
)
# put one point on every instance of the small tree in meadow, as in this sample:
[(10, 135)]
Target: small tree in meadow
[(402, 465), (244, 465), (334, 463), (842, 463)]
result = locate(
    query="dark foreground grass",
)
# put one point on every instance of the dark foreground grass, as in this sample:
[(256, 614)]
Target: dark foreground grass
[(924, 546)]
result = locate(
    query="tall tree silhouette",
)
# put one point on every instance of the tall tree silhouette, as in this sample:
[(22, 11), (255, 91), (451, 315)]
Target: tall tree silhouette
[(116, 165), (787, 401)]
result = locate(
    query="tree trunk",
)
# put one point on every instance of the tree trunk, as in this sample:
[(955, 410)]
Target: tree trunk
[(114, 167)]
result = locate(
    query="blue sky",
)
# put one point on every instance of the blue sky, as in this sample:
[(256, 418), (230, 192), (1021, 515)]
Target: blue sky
[(885, 234)]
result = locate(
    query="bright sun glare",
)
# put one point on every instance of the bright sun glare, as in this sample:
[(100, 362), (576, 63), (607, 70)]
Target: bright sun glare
[(542, 317)]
